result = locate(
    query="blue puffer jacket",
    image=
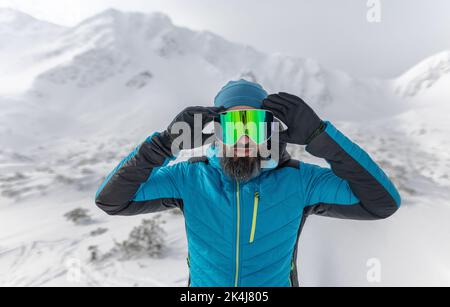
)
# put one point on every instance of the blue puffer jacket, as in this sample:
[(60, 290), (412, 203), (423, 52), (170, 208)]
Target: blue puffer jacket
[(246, 233)]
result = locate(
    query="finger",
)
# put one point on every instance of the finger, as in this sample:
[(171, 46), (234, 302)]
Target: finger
[(279, 100), (209, 117), (191, 111), (202, 110), (217, 109), (207, 113), (278, 114), (289, 96), (276, 108), (284, 101), (274, 100), (213, 112), (292, 98), (270, 106)]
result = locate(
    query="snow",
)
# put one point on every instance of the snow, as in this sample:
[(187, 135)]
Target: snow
[(22, 37), (425, 74), (74, 101)]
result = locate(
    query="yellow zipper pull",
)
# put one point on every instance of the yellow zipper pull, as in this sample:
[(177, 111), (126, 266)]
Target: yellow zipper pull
[(255, 216)]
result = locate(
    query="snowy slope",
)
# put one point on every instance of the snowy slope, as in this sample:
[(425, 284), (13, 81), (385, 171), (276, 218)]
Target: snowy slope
[(87, 95), (424, 76), (22, 36), (114, 61)]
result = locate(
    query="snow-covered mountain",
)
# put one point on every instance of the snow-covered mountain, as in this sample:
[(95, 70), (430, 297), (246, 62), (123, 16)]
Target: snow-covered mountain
[(17, 25), (115, 61), (431, 73), (75, 100)]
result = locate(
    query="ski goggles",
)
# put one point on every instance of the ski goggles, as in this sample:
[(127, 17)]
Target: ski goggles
[(258, 125)]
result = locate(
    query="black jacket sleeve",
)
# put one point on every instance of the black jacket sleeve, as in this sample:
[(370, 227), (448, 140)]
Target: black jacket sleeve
[(354, 188), (119, 193)]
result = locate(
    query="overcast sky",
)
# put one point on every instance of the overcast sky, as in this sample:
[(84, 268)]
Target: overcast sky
[(336, 33)]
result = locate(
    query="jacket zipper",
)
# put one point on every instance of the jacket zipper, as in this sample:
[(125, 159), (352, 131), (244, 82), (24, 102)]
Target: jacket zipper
[(255, 217), (290, 273), (238, 222), (188, 260)]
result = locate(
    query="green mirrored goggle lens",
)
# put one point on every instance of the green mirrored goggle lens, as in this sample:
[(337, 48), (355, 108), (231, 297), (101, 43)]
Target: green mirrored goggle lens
[(256, 124)]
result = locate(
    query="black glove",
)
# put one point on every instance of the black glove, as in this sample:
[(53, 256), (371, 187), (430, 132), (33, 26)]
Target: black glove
[(303, 123), (187, 116)]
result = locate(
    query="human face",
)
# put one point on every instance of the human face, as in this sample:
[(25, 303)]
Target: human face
[(241, 160), (244, 147)]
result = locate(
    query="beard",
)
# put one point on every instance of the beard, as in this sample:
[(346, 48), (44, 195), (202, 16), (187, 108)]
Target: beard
[(241, 168)]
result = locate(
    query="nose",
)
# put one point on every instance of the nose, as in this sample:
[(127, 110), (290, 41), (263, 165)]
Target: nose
[(244, 140)]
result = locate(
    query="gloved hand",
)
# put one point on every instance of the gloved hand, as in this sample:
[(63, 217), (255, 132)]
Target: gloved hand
[(303, 123), (197, 137)]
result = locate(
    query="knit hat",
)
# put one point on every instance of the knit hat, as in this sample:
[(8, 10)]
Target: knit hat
[(241, 93)]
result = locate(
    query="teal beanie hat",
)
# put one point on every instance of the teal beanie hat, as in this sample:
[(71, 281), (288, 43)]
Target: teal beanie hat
[(241, 93)]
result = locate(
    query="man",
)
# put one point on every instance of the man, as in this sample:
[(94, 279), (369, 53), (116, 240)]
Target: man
[(243, 221)]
